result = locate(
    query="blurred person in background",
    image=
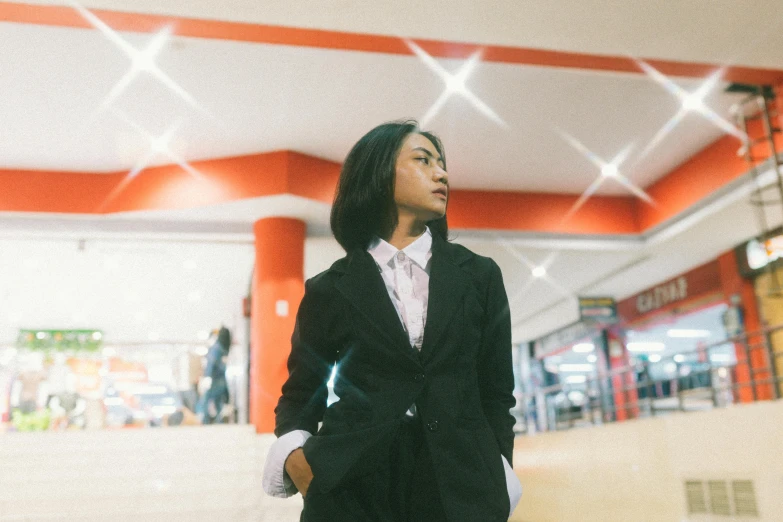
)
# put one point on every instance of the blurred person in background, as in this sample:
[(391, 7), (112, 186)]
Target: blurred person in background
[(182, 417), (419, 330), (187, 375), (213, 385)]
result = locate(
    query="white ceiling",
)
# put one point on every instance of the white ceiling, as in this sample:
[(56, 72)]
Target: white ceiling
[(256, 98), (712, 31)]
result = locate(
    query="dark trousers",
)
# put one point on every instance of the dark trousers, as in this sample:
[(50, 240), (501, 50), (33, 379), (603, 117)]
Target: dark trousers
[(404, 490)]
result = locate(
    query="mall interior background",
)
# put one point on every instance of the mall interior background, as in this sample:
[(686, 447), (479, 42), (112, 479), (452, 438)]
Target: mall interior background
[(168, 170)]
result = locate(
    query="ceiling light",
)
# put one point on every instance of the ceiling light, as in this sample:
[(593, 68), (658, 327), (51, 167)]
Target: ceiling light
[(641, 346), (97, 336), (145, 60), (40, 335), (609, 170), (685, 333), (539, 271), (160, 144), (576, 367), (679, 358), (654, 358), (693, 102), (576, 379), (454, 83), (670, 368), (583, 347), (720, 357), (592, 358)]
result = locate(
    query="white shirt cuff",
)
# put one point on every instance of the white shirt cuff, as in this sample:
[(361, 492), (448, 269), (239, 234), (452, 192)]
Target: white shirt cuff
[(276, 481), (513, 486)]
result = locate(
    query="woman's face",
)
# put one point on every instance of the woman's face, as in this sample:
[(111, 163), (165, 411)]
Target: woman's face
[(420, 188)]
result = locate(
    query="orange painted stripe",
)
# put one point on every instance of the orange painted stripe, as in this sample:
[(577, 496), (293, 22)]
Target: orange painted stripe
[(540, 212), (169, 187), (697, 178), (60, 16), (311, 177), (232, 179)]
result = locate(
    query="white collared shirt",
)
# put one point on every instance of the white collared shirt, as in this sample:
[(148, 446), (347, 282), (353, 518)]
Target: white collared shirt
[(406, 274)]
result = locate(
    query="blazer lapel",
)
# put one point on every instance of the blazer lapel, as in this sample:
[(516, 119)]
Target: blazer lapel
[(364, 288), (448, 284)]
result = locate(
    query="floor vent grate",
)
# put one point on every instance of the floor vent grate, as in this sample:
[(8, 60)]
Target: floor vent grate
[(719, 497), (744, 498), (694, 492)]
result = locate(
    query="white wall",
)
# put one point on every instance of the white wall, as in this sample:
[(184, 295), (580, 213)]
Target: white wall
[(635, 471), (129, 289)]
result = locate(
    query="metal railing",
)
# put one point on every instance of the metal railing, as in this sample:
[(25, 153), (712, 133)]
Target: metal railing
[(633, 391)]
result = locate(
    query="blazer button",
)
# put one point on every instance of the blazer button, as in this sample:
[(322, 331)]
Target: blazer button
[(418, 377), (432, 426)]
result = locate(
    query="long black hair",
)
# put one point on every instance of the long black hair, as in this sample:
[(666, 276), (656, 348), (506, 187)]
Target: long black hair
[(364, 201)]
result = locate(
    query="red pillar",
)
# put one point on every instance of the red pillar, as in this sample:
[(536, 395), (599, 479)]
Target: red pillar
[(278, 287), (735, 285), (626, 397)]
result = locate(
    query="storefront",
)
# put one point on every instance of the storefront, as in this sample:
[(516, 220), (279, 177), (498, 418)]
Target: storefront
[(69, 379), (680, 336), (568, 374)]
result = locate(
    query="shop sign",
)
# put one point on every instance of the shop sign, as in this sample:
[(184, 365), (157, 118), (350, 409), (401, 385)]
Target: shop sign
[(662, 295), (756, 254), (598, 309), (566, 336), (695, 283), (89, 340)]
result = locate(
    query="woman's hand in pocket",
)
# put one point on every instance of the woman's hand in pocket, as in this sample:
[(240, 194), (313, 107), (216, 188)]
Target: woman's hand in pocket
[(298, 469)]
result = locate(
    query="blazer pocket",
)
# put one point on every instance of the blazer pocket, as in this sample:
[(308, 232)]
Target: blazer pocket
[(490, 454)]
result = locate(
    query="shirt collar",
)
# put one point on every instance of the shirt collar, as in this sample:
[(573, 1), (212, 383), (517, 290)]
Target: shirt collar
[(419, 251)]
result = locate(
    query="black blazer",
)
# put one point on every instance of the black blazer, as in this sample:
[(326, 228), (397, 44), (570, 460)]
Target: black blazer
[(462, 380)]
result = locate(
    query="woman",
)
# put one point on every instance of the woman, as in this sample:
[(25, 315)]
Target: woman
[(420, 332)]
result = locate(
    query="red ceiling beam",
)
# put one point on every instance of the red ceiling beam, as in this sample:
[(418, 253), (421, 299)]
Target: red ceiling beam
[(285, 172), (278, 173), (169, 187), (713, 168)]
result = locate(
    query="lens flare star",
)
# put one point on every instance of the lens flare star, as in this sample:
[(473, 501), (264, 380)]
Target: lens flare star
[(608, 170), (454, 84), (538, 272), (159, 145), (141, 61), (690, 102)]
